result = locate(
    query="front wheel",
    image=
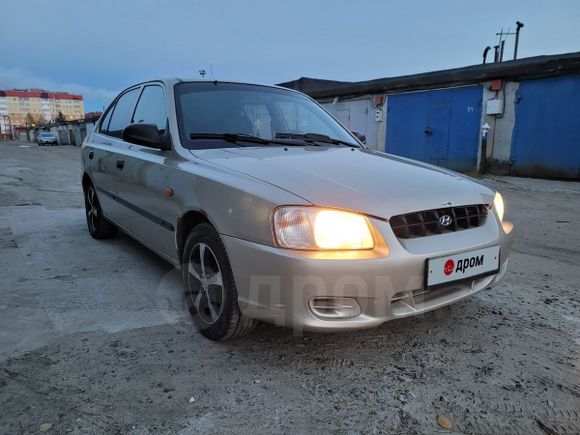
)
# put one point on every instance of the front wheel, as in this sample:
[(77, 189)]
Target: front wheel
[(99, 226), (210, 289)]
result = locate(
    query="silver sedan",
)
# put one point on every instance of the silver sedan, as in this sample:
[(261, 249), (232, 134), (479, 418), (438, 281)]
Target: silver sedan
[(273, 211)]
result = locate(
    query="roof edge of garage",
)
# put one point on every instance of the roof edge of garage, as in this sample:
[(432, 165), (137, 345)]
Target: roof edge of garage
[(526, 68)]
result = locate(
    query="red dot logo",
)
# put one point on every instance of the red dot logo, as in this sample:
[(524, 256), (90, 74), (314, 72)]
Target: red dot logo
[(448, 268)]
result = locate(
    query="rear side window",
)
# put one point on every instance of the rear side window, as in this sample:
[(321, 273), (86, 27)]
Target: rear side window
[(122, 113), (151, 107)]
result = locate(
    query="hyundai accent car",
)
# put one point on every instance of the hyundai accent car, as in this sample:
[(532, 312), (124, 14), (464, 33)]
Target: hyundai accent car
[(273, 211)]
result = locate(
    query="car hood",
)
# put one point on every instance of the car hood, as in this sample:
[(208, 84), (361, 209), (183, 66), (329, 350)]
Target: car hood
[(367, 181)]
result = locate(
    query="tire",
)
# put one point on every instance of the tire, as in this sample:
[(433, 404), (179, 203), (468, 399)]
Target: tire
[(210, 289), (99, 227)]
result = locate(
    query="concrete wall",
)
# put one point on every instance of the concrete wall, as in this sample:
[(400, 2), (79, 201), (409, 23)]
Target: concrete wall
[(500, 136)]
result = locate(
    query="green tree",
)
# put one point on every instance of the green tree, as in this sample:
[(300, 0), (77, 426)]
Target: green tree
[(60, 117)]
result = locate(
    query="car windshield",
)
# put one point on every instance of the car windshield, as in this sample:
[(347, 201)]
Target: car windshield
[(250, 110), (46, 134)]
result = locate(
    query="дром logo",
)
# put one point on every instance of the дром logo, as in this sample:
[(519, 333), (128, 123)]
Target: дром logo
[(448, 268)]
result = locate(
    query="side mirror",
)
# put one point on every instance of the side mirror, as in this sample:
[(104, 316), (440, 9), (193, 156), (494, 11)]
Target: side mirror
[(360, 136), (147, 135)]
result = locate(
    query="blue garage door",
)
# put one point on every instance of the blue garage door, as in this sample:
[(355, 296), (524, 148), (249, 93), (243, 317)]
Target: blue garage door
[(546, 137), (439, 127)]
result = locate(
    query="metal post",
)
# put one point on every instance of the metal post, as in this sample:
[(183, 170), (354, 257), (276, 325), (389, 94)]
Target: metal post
[(519, 25), (485, 53), (501, 50), (483, 160), (483, 154)]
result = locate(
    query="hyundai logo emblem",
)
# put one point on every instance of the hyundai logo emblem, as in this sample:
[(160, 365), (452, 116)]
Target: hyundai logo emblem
[(445, 220)]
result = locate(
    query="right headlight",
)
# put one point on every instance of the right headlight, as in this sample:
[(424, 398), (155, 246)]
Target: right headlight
[(498, 205), (316, 228)]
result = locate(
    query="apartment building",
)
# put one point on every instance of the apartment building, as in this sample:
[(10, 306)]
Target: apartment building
[(42, 105)]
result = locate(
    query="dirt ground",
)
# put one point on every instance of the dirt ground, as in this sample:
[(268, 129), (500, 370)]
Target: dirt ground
[(94, 336)]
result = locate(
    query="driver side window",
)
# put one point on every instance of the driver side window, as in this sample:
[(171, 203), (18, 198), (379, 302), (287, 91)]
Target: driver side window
[(151, 107)]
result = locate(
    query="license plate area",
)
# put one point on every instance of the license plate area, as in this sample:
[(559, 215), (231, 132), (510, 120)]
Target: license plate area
[(461, 266)]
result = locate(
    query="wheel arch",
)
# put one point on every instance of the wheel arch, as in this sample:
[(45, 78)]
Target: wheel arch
[(187, 222), (86, 180)]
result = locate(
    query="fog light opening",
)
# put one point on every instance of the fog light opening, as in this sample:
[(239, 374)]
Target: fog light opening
[(507, 227), (335, 308)]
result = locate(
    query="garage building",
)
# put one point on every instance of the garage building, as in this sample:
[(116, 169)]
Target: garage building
[(531, 105)]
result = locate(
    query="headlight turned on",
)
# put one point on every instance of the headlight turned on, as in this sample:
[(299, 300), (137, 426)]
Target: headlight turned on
[(316, 228), (498, 205)]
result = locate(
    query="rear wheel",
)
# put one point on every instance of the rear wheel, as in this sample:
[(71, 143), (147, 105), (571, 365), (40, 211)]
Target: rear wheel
[(99, 227), (210, 289)]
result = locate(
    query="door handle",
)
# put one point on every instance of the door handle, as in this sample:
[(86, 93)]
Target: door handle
[(120, 164), (91, 155)]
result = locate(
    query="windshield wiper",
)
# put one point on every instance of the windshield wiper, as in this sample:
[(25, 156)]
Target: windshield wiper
[(242, 137), (315, 137), (229, 137)]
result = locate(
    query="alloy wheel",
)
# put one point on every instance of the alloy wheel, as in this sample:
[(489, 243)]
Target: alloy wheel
[(205, 280), (92, 208)]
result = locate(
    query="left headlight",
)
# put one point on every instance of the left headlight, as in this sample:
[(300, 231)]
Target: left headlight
[(498, 205), (316, 228)]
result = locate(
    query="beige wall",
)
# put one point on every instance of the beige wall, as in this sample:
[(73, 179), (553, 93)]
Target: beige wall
[(18, 107)]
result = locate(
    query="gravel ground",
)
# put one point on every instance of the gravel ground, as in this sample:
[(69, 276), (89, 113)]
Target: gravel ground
[(94, 336)]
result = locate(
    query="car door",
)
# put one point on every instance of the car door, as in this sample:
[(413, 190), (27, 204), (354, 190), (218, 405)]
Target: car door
[(103, 152), (148, 212)]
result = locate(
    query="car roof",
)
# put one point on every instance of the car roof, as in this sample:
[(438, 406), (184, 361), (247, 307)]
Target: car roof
[(175, 80)]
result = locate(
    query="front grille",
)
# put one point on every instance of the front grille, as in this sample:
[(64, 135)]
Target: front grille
[(428, 222)]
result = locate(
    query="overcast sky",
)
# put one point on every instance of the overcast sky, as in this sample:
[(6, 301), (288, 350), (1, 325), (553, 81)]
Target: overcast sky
[(98, 48)]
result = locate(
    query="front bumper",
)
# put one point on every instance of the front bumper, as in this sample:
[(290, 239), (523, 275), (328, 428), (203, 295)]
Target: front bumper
[(279, 285)]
